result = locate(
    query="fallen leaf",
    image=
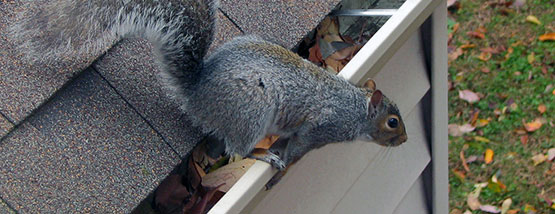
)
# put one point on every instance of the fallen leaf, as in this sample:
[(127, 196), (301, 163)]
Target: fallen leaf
[(506, 205), (472, 197), (459, 174), (542, 108), (227, 175), (488, 156), (553, 92), (481, 139), (463, 160), (469, 96), (528, 208), (534, 125), (267, 142), (551, 154), (514, 211), (496, 185), (531, 58), (484, 56), (485, 70), (457, 130), (510, 50), (489, 209), (453, 55), (482, 122), (547, 37), (533, 19), (475, 34), (467, 212), (455, 211), (314, 54), (471, 158), (539, 158), (524, 139), (491, 50), (465, 46)]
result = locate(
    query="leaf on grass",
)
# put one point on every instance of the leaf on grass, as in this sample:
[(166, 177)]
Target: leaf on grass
[(475, 34), (551, 154), (542, 108), (539, 158), (534, 125), (484, 56), (529, 208), (484, 70), (467, 212), (531, 58), (459, 174), (488, 156), (506, 205), (471, 158), (454, 54), (463, 159), (547, 37), (482, 122), (457, 130), (518, 3), (465, 46), (469, 96), (489, 208), (227, 175), (472, 197), (533, 19), (524, 139), (481, 139), (495, 185)]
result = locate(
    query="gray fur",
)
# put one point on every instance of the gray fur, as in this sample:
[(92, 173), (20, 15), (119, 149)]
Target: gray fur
[(247, 89)]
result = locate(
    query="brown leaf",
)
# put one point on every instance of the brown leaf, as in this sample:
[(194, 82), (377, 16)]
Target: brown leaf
[(490, 50), (453, 55), (457, 130), (485, 70), (465, 46), (227, 175), (463, 160), (171, 193), (469, 96), (267, 142), (484, 56), (314, 54), (547, 37), (459, 174), (475, 34), (524, 139)]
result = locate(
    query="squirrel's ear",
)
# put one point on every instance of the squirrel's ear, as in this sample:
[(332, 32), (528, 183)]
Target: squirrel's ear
[(376, 98), (370, 84)]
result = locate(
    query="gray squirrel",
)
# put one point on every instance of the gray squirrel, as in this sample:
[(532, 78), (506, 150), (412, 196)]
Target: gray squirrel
[(247, 89)]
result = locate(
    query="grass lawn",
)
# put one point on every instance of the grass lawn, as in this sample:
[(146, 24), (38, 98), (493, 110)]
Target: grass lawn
[(503, 61)]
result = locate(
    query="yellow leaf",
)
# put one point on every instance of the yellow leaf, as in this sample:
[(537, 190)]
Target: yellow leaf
[(531, 57), (533, 19), (482, 122), (481, 139), (539, 158), (267, 142), (488, 157), (528, 208), (547, 36)]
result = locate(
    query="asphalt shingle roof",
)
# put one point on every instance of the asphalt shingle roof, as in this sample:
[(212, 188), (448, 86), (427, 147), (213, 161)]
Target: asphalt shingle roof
[(101, 138)]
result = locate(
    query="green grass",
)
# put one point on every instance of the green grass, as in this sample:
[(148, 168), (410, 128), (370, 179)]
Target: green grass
[(511, 78)]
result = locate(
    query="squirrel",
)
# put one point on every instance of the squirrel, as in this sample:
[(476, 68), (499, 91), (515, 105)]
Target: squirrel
[(246, 89)]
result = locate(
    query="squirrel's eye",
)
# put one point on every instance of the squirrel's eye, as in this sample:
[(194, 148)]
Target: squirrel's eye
[(392, 123)]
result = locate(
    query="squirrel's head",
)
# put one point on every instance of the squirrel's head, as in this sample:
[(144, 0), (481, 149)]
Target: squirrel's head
[(386, 126)]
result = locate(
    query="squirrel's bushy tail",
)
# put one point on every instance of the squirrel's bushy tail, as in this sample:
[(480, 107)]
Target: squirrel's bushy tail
[(180, 30)]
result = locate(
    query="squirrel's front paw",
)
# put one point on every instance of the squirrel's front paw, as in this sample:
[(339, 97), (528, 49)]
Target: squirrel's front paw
[(270, 158)]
